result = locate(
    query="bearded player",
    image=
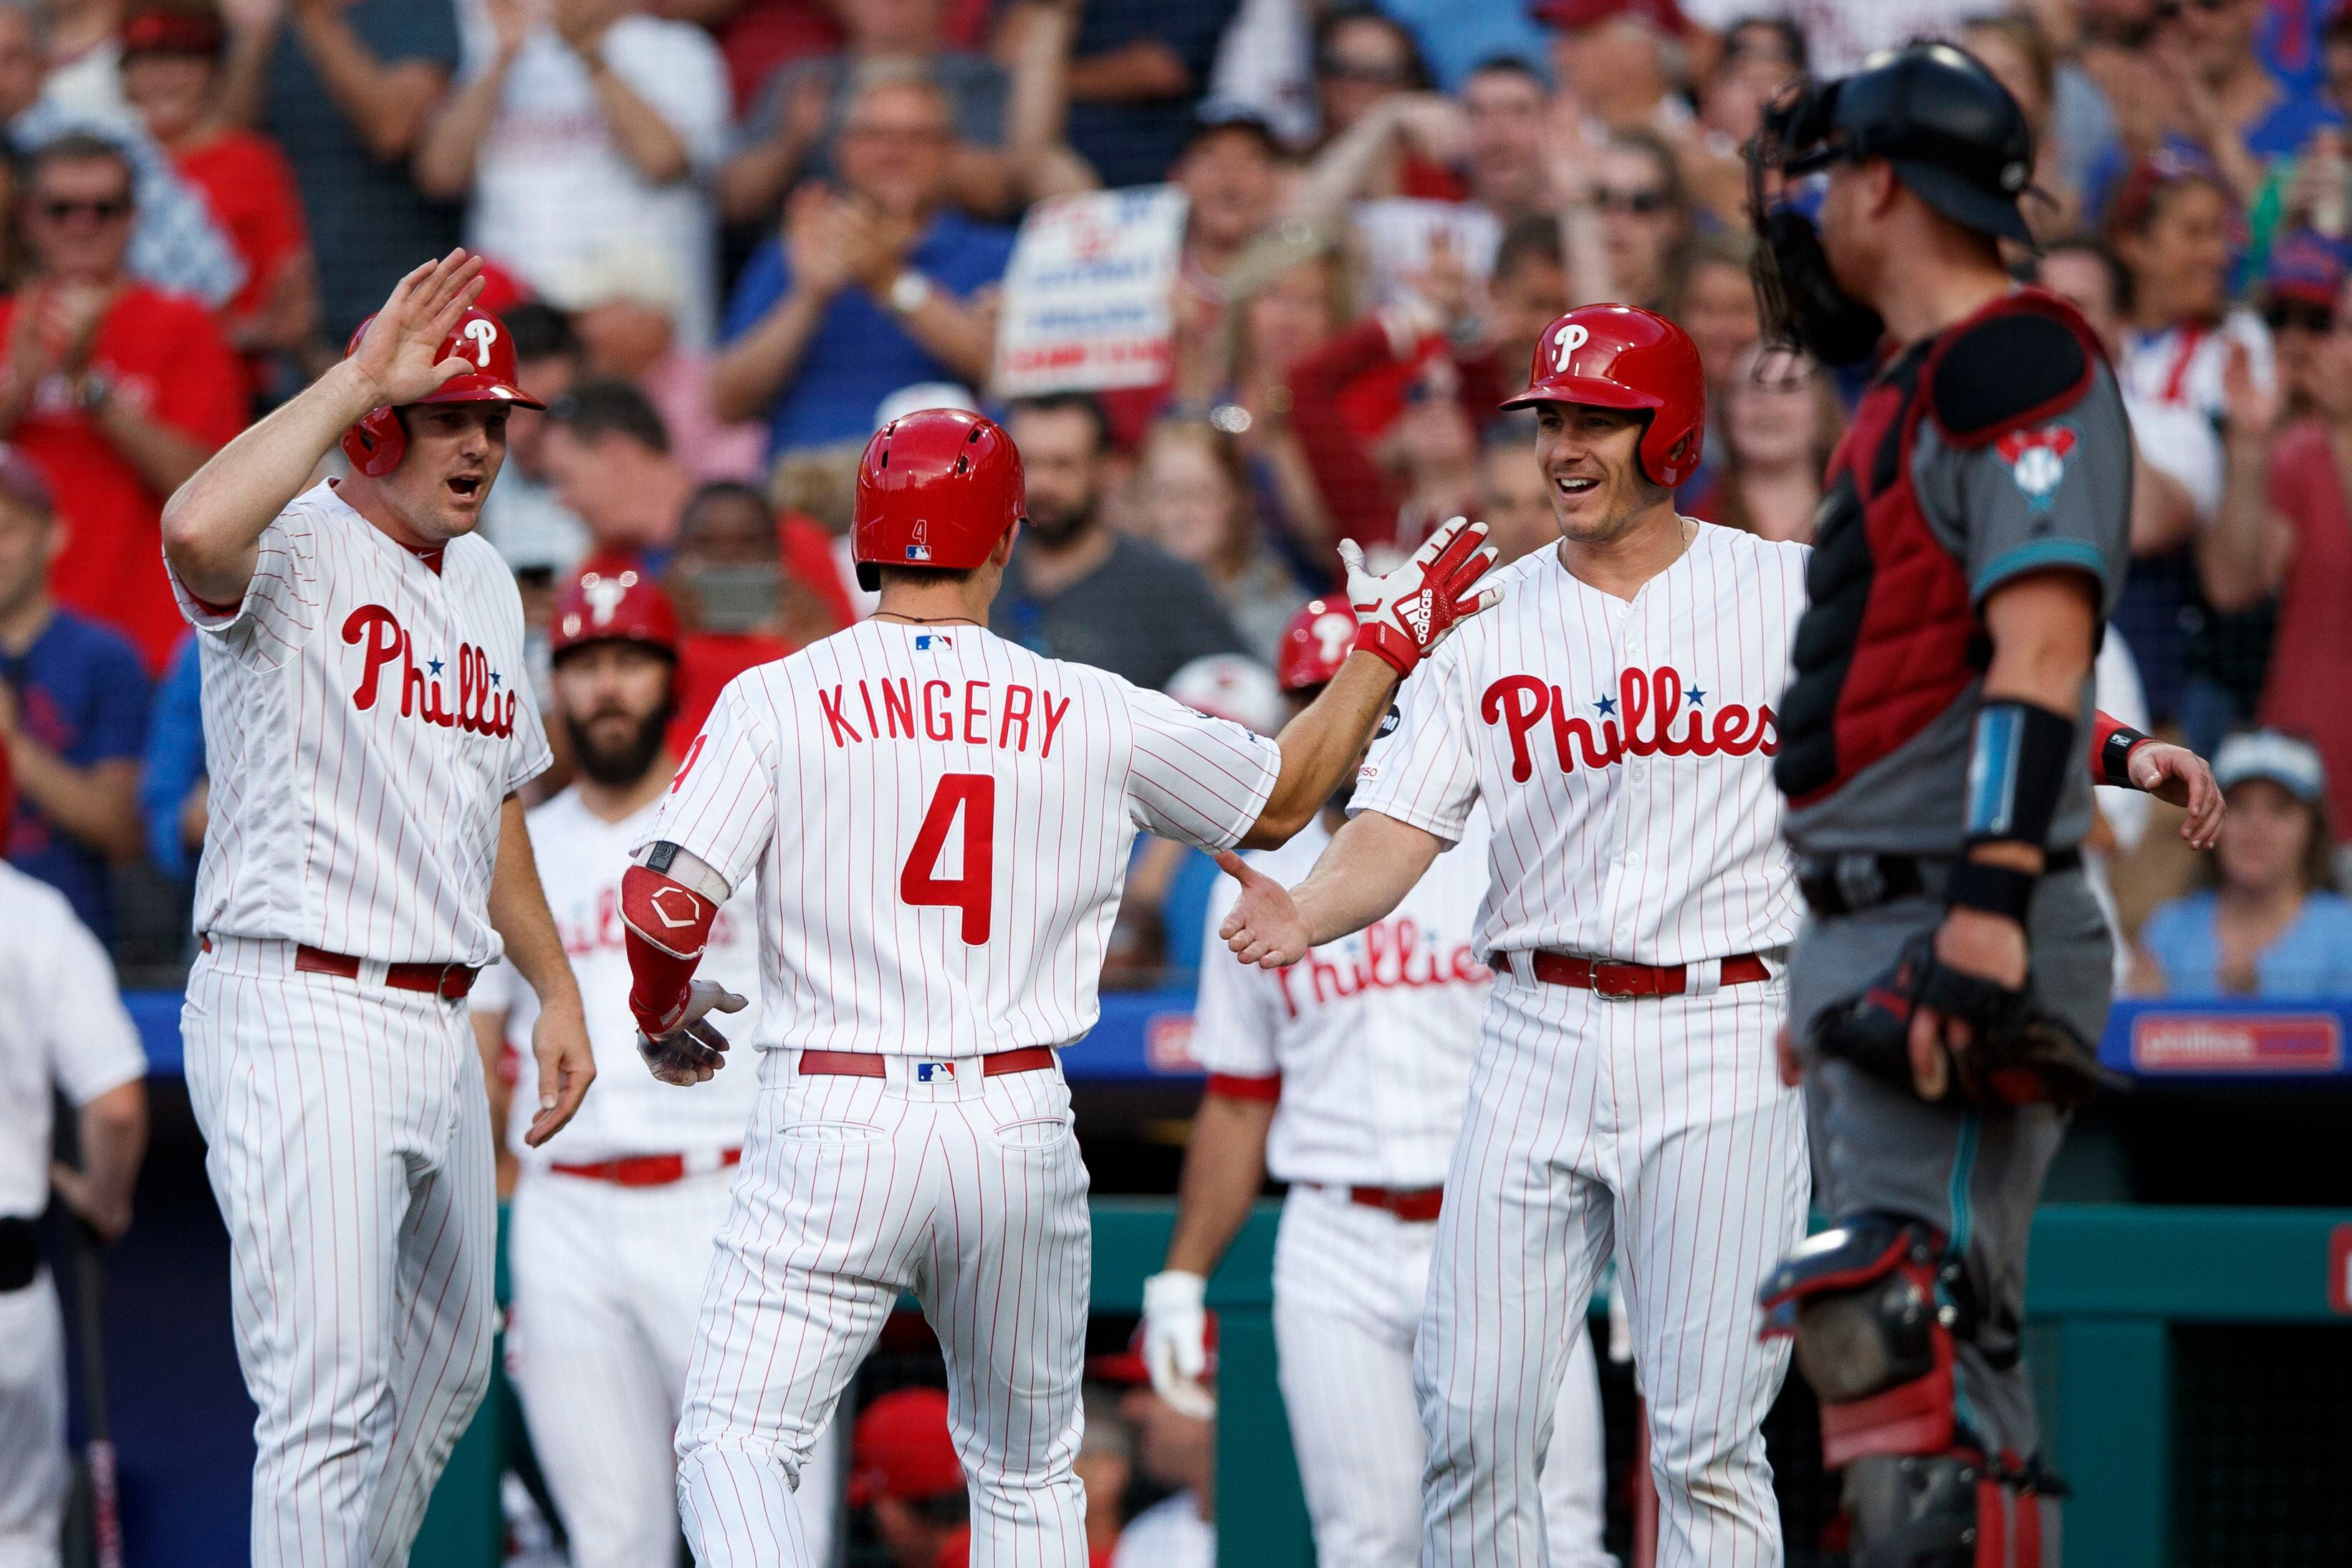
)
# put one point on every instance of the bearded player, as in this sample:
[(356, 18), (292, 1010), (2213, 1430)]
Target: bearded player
[(609, 1234), (367, 725), (1617, 723), (1345, 1077), (1947, 993), (939, 821)]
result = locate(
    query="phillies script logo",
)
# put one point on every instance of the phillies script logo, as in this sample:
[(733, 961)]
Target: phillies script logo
[(1397, 954), (482, 710), (1517, 702)]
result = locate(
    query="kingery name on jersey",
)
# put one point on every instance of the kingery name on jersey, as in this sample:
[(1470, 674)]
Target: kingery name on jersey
[(480, 710), (1516, 702), (891, 707)]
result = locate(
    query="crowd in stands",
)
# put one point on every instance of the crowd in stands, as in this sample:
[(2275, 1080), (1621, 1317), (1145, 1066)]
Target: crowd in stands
[(728, 236)]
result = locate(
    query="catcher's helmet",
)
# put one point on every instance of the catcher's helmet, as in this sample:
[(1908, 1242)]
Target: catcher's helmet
[(377, 443), (936, 488), (1621, 356), (1952, 131), (1314, 644), (628, 607)]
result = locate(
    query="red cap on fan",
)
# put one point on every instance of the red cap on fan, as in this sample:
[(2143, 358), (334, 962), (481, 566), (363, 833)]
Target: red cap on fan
[(377, 443), (1621, 356), (625, 607), (900, 1449), (1315, 644)]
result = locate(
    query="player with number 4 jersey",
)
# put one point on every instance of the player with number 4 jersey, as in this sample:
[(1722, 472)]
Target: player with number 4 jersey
[(938, 821)]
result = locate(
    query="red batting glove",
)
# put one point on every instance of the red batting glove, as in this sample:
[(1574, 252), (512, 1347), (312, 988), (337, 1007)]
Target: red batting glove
[(1401, 616)]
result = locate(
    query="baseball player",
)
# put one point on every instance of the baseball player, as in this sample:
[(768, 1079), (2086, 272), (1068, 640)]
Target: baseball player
[(1617, 721), (367, 724), (1345, 1076), (608, 1235), (62, 1026), (939, 821), (1947, 992)]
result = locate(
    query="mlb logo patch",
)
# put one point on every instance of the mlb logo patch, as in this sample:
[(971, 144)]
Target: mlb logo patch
[(2037, 461), (935, 1072), (925, 641)]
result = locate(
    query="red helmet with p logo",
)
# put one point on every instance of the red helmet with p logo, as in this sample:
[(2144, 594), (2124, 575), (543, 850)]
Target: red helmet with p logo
[(624, 607), (1621, 356), (936, 488), (1314, 644), (377, 443)]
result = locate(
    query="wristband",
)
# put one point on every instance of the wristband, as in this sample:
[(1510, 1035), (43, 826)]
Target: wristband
[(1993, 889), (1389, 646), (2017, 769), (2114, 757)]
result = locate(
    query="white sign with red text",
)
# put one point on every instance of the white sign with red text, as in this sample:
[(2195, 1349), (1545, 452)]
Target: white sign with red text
[(1087, 295)]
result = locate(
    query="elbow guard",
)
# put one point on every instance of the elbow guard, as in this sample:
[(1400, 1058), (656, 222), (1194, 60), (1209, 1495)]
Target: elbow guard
[(669, 925)]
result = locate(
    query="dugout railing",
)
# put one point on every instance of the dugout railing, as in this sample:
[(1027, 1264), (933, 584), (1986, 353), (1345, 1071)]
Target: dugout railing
[(2113, 1288)]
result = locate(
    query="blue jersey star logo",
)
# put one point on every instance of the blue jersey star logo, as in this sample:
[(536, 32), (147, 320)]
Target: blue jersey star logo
[(1696, 697), (434, 666), (1605, 706), (494, 677)]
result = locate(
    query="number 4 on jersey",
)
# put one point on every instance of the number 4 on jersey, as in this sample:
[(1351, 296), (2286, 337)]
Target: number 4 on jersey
[(975, 796)]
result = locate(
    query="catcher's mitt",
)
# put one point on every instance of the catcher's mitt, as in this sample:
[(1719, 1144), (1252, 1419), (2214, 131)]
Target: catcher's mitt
[(2018, 1054)]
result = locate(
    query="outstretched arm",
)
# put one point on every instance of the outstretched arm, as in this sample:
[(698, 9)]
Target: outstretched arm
[(1361, 876), (213, 524), (1399, 619), (559, 1040)]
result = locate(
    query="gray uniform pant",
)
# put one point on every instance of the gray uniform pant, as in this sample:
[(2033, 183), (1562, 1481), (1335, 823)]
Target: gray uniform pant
[(1973, 1177)]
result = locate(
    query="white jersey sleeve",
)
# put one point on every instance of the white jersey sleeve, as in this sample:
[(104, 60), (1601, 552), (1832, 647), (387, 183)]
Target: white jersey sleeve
[(93, 1044), (722, 804), (280, 609), (1425, 772), (1238, 1012), (1197, 779)]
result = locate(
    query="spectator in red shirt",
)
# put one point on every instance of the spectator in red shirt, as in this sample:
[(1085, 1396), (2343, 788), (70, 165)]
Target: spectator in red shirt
[(118, 391), (171, 74), (1360, 57), (751, 586)]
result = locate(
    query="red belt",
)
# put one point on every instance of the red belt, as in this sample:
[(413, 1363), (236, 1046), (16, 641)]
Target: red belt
[(1610, 978), (448, 982), (642, 1170), (867, 1064), (1417, 1203)]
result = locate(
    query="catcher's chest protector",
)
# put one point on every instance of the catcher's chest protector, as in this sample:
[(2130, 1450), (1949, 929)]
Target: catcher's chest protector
[(1889, 637)]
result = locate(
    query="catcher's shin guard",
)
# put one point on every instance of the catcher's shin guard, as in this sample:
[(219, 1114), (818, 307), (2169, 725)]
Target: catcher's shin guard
[(1875, 1308)]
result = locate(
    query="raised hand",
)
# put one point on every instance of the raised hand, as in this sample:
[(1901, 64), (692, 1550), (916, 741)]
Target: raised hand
[(1404, 615), (694, 1049), (2251, 409), (400, 357), (1265, 927)]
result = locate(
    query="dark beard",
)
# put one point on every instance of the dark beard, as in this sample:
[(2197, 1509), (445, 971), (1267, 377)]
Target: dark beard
[(1054, 528), (627, 763)]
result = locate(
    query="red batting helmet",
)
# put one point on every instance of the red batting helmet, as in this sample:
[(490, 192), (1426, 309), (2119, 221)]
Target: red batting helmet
[(629, 607), (937, 489), (376, 443), (1621, 356), (1315, 644)]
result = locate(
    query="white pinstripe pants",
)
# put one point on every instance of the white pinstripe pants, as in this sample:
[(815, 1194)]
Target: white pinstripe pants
[(607, 1286), (34, 1470), (967, 1191), (349, 1145), (1659, 1127), (1349, 1285)]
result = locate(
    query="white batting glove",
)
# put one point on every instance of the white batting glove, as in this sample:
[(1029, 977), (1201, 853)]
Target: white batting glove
[(1404, 615), (693, 1050), (1176, 1341)]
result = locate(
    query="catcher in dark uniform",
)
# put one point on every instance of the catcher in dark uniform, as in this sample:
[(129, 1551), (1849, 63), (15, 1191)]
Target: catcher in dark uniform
[(1947, 996)]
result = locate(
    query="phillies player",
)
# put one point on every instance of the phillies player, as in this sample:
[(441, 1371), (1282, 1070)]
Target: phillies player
[(609, 1233), (1345, 1076), (367, 723), (939, 821)]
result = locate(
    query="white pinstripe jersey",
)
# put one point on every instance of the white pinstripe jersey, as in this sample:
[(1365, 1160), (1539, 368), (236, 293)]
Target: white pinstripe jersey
[(581, 860), (940, 821), (365, 717), (62, 1026), (1371, 1034), (1624, 751)]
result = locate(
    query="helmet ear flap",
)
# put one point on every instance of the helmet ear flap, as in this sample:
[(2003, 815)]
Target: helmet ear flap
[(377, 443)]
